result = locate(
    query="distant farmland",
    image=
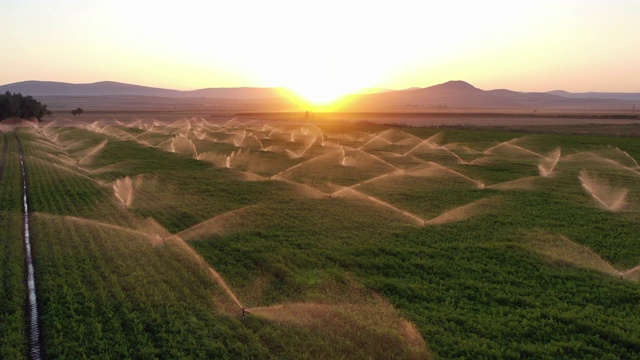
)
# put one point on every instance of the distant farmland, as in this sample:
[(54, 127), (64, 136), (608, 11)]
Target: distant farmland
[(265, 239)]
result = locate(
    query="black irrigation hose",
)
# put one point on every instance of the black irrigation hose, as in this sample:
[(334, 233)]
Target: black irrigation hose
[(33, 325)]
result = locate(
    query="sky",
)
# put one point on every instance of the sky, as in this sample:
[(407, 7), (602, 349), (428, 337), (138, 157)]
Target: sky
[(323, 49)]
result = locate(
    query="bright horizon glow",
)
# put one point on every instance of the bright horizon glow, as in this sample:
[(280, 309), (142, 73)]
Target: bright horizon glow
[(331, 102), (321, 94), (322, 50)]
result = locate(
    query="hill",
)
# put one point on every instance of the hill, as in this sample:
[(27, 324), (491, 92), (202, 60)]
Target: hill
[(112, 88), (597, 95), (450, 95), (460, 94)]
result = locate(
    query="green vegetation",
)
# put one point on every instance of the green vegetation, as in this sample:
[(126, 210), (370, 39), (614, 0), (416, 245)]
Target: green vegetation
[(13, 341), (24, 107), (355, 242)]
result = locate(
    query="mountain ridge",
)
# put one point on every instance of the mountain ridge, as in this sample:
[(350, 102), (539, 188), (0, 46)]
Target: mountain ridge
[(450, 94), (110, 88)]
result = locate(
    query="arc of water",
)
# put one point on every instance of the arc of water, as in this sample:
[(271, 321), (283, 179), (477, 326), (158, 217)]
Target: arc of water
[(619, 203), (427, 141), (630, 271), (232, 120), (616, 163), (300, 164), (397, 173), (273, 131), (381, 160), (95, 150), (423, 142), (479, 184), (405, 213), (497, 146), (259, 142), (216, 275), (374, 138), (454, 154), (630, 157), (593, 194), (553, 158)]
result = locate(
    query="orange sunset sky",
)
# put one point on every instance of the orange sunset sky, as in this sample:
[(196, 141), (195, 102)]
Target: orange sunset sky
[(323, 49)]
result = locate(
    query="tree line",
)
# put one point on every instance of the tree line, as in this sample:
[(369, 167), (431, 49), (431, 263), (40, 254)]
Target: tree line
[(24, 107)]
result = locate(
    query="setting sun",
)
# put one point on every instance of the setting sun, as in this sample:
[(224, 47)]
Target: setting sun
[(323, 50), (319, 95), (327, 179)]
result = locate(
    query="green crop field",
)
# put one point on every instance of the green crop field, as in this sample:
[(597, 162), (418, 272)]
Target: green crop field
[(257, 239)]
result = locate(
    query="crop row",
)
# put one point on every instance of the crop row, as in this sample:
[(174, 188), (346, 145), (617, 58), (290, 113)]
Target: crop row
[(473, 288), (109, 291), (13, 343)]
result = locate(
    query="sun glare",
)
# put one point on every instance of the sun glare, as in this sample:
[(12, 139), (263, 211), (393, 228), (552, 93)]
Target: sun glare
[(318, 96)]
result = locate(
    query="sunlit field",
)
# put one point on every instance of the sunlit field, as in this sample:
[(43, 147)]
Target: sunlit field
[(289, 240)]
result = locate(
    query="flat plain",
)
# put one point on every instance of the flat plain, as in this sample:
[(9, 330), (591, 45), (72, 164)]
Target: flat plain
[(255, 238)]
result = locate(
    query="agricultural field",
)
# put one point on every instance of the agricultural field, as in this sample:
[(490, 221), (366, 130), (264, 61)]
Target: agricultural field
[(290, 240)]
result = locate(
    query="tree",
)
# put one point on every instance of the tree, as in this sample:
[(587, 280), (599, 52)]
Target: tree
[(24, 107), (77, 111)]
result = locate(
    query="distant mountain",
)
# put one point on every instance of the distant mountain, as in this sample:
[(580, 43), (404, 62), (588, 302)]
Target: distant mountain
[(52, 88), (111, 88), (373, 90), (597, 95), (450, 95), (460, 94)]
